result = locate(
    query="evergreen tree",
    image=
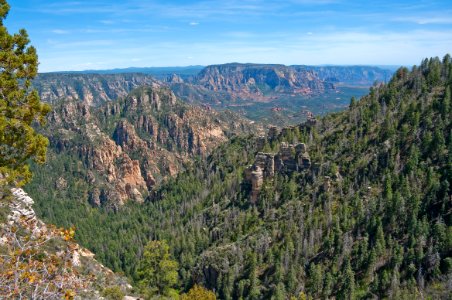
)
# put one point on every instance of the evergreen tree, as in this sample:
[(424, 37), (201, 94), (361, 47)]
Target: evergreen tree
[(158, 272), (20, 106), (348, 288)]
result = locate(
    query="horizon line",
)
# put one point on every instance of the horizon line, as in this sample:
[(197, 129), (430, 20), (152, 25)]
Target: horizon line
[(94, 71)]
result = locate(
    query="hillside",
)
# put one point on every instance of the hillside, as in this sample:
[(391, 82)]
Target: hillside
[(120, 150), (353, 205), (40, 261)]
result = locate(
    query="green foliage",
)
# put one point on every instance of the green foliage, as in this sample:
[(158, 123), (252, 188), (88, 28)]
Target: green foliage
[(382, 230), (20, 106), (157, 272), (198, 292), (113, 293)]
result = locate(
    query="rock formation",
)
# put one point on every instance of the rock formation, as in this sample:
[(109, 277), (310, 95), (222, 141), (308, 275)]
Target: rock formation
[(254, 81), (128, 146), (290, 158)]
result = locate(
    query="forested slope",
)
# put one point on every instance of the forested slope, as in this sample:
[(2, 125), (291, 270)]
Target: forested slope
[(370, 216)]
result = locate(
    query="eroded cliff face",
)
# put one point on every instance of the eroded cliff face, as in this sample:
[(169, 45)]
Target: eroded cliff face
[(93, 89), (128, 146)]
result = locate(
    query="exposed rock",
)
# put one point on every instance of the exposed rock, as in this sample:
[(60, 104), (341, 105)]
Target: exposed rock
[(266, 162), (174, 78), (257, 179), (286, 151), (126, 137), (130, 173), (22, 211), (300, 148), (61, 184), (289, 159)]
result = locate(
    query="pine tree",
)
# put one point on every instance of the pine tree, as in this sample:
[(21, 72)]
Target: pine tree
[(158, 272), (348, 289), (352, 102), (20, 106)]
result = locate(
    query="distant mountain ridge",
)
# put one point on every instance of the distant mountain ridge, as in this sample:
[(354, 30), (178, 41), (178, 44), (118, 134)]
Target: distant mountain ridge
[(228, 82), (185, 70), (350, 75), (93, 89), (256, 81)]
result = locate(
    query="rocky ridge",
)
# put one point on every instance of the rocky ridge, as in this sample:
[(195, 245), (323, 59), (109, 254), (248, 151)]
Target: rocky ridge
[(93, 89), (349, 75)]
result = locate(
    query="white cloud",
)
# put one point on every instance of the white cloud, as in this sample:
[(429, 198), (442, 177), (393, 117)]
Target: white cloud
[(425, 20), (193, 23), (107, 22), (60, 31)]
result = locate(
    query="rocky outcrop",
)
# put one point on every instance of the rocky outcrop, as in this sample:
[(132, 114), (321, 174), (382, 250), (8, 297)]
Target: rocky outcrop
[(290, 158), (174, 78)]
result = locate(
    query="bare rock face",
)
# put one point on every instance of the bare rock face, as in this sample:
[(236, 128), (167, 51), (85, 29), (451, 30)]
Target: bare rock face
[(266, 161), (131, 177), (257, 179), (126, 137), (22, 211)]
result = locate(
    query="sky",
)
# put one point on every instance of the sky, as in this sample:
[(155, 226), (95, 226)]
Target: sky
[(101, 34)]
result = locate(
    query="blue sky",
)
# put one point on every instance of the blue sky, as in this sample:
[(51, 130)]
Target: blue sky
[(100, 34)]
